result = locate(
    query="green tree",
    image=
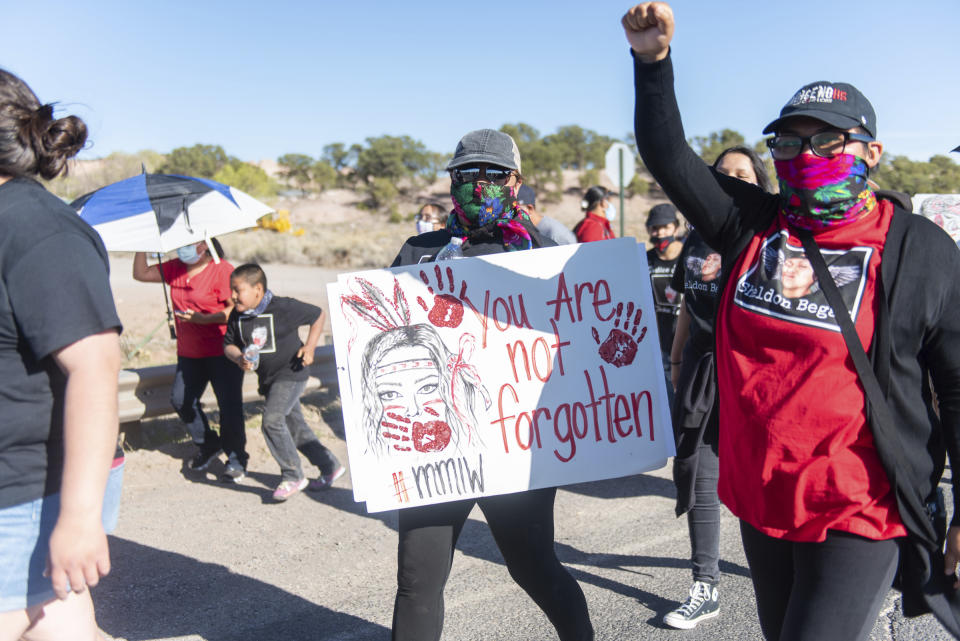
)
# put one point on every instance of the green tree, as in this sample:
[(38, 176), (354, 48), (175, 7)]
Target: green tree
[(248, 178), (202, 161), (324, 175), (400, 159), (338, 156), (541, 163), (382, 193), (939, 175), (296, 168), (709, 147)]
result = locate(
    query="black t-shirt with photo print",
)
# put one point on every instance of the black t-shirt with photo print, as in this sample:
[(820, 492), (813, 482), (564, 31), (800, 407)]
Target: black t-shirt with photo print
[(665, 300), (276, 330), (698, 276)]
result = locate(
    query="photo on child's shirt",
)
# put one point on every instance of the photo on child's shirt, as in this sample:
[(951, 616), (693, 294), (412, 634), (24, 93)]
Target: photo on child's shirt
[(258, 330)]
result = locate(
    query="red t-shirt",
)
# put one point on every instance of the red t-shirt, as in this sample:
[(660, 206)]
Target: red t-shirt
[(593, 227), (207, 292), (796, 453)]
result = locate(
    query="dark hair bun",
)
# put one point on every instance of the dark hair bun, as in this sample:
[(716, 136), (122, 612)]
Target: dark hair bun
[(593, 196), (32, 141), (54, 141)]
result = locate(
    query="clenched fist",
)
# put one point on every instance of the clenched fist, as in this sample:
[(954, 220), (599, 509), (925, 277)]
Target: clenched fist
[(649, 29)]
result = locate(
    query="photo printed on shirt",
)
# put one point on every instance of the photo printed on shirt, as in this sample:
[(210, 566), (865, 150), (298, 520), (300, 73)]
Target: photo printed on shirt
[(782, 284)]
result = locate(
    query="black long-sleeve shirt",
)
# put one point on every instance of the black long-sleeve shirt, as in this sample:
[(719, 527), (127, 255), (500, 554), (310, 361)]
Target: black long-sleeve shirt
[(918, 332)]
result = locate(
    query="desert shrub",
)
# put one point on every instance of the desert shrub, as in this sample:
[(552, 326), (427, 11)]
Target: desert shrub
[(639, 186), (381, 192)]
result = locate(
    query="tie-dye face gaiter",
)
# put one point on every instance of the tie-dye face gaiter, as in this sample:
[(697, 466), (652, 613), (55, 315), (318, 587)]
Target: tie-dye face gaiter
[(817, 193)]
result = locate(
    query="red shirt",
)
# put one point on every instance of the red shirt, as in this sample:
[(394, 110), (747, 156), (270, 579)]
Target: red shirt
[(593, 227), (796, 453), (207, 292)]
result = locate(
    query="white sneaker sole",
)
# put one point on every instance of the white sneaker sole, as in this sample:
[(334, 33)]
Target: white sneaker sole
[(687, 624)]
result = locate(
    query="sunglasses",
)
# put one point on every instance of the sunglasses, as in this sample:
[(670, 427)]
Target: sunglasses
[(489, 173), (825, 144)]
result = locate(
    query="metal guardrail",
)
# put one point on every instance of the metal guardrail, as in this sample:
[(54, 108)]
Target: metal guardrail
[(145, 392)]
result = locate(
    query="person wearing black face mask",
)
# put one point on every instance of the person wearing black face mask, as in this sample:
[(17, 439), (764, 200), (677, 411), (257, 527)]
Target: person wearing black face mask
[(662, 226), (833, 492)]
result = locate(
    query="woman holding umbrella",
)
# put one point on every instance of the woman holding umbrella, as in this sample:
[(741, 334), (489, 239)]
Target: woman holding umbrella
[(200, 291), (59, 361)]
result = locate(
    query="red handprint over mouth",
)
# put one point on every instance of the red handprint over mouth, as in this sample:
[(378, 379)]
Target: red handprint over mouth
[(447, 310), (429, 436), (620, 347)]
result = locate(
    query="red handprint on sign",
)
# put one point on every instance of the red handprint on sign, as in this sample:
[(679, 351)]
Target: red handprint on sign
[(447, 309), (620, 347)]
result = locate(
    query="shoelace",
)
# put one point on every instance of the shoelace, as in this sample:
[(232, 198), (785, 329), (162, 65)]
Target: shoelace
[(695, 600)]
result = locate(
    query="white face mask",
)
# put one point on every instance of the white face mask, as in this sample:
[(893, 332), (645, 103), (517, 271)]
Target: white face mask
[(423, 226), (610, 212)]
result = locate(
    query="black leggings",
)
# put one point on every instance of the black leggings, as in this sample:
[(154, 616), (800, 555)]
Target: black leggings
[(522, 526), (819, 591)]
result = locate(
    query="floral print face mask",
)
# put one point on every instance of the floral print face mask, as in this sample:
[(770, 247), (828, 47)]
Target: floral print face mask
[(819, 193), (478, 204)]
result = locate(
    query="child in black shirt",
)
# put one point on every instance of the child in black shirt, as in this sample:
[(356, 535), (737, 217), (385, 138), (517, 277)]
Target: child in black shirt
[(262, 335)]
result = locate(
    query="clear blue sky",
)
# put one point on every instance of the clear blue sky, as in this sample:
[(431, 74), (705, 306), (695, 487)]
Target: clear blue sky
[(263, 79)]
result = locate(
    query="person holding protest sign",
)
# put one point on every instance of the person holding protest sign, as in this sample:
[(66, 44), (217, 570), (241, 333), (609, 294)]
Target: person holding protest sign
[(832, 492), (485, 175), (696, 465)]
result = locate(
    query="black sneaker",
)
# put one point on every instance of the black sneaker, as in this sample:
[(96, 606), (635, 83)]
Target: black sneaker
[(233, 471), (203, 458), (703, 603)]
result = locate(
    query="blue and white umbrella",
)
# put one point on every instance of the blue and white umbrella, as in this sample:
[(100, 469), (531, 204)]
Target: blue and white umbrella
[(160, 212)]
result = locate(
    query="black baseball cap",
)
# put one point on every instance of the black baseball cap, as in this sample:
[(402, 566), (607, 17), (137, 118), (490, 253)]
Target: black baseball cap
[(662, 214), (836, 103)]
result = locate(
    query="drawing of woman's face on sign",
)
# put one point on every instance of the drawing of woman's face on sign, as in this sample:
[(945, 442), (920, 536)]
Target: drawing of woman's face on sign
[(417, 395), (413, 414)]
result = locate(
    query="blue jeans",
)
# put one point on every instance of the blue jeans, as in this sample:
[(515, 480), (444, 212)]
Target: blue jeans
[(189, 383), (25, 544), (286, 432)]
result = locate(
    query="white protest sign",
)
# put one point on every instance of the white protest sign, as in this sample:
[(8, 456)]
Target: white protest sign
[(619, 154), (498, 374), (943, 209)]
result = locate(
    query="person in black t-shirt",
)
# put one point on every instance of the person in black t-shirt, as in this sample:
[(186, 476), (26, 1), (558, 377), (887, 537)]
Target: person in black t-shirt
[(696, 465), (662, 226), (262, 335), (59, 362)]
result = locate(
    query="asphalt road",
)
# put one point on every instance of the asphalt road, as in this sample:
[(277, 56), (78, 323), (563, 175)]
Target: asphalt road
[(197, 559)]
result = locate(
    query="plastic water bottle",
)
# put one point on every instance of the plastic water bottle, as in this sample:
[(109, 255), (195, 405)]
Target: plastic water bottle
[(451, 250), (252, 354)]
